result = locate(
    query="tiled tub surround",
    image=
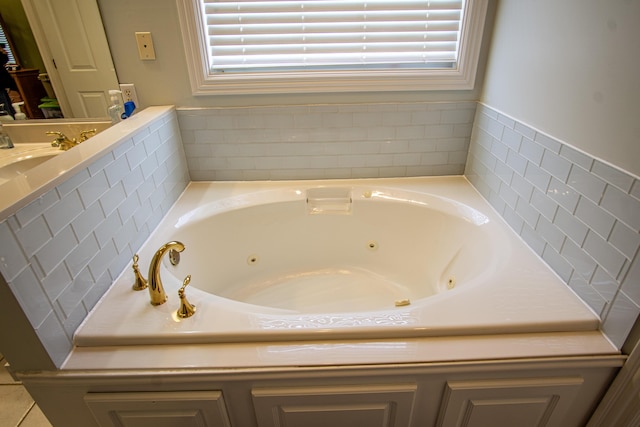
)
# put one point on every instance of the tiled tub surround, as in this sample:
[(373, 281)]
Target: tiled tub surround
[(579, 214), (62, 251), (327, 141)]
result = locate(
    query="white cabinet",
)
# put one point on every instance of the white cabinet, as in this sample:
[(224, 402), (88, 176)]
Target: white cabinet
[(523, 393), (335, 406), (159, 409), (523, 402)]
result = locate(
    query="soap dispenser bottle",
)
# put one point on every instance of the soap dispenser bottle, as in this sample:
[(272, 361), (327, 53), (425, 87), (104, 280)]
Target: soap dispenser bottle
[(115, 109), (19, 114), (5, 140)]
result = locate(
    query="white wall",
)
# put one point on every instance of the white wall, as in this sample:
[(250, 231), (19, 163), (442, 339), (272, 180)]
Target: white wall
[(165, 80), (571, 69)]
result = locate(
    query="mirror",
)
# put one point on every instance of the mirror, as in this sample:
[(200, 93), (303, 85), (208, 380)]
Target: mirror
[(78, 63), (25, 66)]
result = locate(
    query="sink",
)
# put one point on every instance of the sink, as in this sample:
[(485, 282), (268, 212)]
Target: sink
[(23, 157), (33, 145), (22, 164)]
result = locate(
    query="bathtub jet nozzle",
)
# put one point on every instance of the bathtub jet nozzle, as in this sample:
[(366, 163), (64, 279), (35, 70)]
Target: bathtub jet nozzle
[(156, 290)]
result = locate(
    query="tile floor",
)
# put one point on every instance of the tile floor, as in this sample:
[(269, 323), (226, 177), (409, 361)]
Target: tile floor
[(17, 408)]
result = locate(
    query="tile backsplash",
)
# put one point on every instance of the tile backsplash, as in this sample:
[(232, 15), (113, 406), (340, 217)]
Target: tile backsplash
[(61, 252), (581, 215), (327, 141)]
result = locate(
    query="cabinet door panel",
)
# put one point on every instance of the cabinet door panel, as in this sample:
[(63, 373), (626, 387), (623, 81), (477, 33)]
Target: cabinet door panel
[(535, 402), (159, 409), (335, 406)]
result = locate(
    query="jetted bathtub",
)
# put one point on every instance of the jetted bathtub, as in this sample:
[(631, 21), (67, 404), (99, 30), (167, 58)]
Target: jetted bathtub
[(337, 259)]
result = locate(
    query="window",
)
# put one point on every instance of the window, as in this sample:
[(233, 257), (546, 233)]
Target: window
[(259, 46)]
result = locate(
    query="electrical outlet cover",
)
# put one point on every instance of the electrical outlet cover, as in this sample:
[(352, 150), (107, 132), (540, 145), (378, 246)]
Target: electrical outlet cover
[(145, 46), (129, 93)]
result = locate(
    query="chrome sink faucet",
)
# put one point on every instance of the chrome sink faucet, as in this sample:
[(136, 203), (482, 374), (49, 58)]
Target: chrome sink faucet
[(156, 290), (5, 141)]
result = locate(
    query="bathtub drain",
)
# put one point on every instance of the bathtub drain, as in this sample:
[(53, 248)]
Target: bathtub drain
[(252, 259), (372, 245)]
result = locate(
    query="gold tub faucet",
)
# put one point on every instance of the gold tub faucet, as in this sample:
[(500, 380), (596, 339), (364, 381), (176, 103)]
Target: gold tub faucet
[(156, 290)]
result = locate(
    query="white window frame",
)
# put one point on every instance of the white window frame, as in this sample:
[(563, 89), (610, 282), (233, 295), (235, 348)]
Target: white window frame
[(461, 77)]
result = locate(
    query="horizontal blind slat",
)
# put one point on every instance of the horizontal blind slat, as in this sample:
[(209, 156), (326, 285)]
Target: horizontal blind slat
[(314, 5), (281, 49), (354, 16), (346, 28), (324, 60), (314, 38)]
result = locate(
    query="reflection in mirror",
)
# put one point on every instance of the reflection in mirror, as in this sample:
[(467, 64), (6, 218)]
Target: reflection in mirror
[(7, 44), (75, 67), (84, 71), (34, 142), (23, 75), (7, 61)]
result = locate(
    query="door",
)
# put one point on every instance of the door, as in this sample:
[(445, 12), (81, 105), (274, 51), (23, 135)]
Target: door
[(74, 47)]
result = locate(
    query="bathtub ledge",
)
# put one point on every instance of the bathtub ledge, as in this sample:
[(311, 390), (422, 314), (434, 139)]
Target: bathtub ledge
[(346, 352)]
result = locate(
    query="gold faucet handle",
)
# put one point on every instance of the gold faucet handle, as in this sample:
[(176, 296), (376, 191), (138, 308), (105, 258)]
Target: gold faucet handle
[(85, 134), (186, 309), (60, 136), (140, 282)]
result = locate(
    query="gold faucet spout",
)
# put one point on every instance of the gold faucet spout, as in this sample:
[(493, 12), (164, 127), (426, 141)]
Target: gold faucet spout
[(62, 141), (156, 290)]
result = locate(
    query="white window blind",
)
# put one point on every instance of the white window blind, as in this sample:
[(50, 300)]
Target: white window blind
[(264, 36), (320, 46), (7, 47)]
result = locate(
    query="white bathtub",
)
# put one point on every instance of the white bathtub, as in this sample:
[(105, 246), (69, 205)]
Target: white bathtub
[(338, 259)]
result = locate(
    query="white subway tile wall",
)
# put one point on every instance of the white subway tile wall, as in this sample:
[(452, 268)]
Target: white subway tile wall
[(579, 214), (327, 141), (61, 253)]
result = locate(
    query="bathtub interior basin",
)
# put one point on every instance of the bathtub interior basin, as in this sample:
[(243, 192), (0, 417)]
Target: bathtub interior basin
[(336, 254), (376, 262)]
